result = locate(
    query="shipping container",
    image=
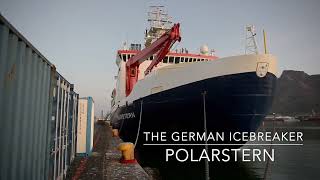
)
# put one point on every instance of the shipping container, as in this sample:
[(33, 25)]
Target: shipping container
[(38, 112), (63, 128), (26, 78), (85, 126), (73, 119)]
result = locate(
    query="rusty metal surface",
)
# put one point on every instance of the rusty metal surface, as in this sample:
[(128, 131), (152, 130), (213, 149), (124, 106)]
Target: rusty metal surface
[(27, 90), (25, 79)]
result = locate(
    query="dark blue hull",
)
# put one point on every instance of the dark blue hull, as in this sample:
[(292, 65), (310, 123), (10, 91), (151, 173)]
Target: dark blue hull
[(237, 102)]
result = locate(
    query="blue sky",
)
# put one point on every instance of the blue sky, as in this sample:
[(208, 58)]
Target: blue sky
[(81, 37)]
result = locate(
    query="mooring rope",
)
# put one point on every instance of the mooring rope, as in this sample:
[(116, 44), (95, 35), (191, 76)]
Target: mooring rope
[(268, 161), (207, 173), (122, 122), (135, 143)]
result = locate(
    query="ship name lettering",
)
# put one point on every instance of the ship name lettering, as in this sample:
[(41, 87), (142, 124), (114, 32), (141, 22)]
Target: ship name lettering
[(127, 115)]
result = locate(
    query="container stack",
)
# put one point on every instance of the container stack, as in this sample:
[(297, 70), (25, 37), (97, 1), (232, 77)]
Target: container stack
[(63, 127), (38, 112)]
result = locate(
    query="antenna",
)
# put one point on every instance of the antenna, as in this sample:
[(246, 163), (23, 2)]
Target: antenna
[(251, 44), (158, 18), (160, 22), (265, 42), (102, 114)]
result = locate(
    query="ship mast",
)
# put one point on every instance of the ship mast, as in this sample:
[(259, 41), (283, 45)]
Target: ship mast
[(251, 44), (159, 40), (160, 22), (160, 47)]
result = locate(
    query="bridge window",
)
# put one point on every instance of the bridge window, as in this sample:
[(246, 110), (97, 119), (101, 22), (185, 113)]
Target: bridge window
[(165, 60), (133, 73), (186, 59), (177, 60), (194, 60), (182, 59), (190, 60), (151, 57), (202, 59), (124, 57), (171, 59)]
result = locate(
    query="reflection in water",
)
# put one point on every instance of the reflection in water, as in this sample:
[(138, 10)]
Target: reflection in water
[(291, 162)]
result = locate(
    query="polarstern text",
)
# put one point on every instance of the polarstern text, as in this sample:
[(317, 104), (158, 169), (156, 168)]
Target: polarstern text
[(221, 146)]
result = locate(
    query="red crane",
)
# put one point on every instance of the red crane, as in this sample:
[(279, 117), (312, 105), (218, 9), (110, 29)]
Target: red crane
[(161, 45)]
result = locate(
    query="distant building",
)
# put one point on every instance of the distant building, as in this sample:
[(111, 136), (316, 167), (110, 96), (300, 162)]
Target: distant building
[(85, 126)]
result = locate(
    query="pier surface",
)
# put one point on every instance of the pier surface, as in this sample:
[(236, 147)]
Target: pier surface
[(104, 161)]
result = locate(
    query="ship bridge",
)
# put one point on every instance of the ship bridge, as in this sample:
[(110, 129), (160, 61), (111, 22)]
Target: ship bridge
[(170, 58)]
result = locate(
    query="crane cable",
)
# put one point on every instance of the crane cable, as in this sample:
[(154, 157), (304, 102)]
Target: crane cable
[(266, 170), (207, 172), (135, 143)]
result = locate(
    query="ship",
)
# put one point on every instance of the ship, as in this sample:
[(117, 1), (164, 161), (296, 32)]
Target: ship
[(188, 92)]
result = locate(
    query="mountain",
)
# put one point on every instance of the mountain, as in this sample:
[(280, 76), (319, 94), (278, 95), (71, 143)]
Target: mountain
[(297, 93)]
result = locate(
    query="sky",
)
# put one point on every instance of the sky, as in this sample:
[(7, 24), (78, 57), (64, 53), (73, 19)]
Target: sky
[(81, 37)]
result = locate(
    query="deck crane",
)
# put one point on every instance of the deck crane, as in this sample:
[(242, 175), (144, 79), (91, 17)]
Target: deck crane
[(161, 45)]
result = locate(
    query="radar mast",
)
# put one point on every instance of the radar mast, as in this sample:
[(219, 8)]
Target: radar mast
[(160, 22), (251, 44)]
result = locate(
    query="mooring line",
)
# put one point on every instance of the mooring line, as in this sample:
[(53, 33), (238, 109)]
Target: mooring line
[(135, 143), (207, 173), (268, 161), (122, 122)]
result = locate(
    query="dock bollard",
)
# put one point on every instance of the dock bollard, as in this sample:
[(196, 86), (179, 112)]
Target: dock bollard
[(115, 132), (127, 150)]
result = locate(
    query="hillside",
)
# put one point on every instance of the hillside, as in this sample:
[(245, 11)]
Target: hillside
[(297, 93)]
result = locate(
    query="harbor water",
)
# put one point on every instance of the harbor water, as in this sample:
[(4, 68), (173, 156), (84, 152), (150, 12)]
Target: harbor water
[(290, 162)]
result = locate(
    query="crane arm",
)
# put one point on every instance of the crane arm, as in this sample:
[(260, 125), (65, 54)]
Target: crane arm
[(161, 45)]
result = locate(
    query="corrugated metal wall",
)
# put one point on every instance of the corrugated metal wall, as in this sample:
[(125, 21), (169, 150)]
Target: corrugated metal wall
[(73, 119), (63, 131), (25, 78), (27, 84)]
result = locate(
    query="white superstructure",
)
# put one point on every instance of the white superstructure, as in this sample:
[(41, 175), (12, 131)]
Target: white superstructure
[(179, 67), (170, 75)]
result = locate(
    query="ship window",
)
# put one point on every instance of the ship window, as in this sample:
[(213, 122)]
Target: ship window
[(190, 60), (171, 59), (198, 59), (129, 56), (206, 59), (133, 72), (165, 60), (177, 60), (202, 59), (186, 59), (124, 57), (194, 60), (151, 57), (182, 59)]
